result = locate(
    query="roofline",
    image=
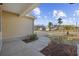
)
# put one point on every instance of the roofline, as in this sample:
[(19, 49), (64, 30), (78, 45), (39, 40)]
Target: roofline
[(31, 17)]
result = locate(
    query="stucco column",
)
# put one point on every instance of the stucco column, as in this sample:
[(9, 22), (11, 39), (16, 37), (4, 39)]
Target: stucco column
[(0, 27)]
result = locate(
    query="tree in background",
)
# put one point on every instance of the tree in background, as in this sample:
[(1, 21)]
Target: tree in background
[(50, 25), (59, 22)]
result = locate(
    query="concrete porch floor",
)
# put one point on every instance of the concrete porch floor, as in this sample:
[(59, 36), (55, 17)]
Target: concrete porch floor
[(19, 48)]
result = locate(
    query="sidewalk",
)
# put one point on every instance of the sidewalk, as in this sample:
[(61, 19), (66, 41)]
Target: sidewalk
[(78, 49), (19, 48)]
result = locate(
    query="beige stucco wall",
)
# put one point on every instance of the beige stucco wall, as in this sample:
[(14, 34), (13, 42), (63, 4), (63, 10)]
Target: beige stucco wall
[(15, 26), (0, 41), (0, 28)]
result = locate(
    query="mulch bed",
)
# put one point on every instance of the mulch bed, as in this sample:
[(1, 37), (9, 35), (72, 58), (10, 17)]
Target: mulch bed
[(54, 49), (28, 40)]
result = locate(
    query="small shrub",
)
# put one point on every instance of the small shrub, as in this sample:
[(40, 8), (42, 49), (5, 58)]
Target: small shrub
[(30, 38), (33, 36)]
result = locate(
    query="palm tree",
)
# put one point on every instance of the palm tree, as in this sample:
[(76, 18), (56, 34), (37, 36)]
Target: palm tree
[(50, 25)]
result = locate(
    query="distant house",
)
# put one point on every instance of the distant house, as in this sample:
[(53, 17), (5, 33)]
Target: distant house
[(42, 28), (47, 29), (39, 27), (54, 27)]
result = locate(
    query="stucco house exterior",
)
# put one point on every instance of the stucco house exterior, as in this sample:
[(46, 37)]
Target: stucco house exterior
[(15, 22)]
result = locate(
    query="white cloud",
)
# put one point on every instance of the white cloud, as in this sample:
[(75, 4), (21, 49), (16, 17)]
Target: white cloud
[(76, 12), (36, 11), (69, 21), (55, 12), (59, 13)]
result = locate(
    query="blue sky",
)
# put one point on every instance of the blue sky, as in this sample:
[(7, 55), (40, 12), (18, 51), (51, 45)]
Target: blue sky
[(45, 13)]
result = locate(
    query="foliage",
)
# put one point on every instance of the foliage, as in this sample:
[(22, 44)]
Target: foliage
[(50, 25), (59, 21), (33, 36), (69, 27), (37, 27), (64, 39), (30, 38)]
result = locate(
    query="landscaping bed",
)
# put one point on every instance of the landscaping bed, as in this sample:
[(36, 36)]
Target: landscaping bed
[(55, 49), (30, 38), (70, 39)]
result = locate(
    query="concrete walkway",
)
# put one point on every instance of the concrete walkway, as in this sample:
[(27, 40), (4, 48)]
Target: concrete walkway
[(78, 49), (19, 48)]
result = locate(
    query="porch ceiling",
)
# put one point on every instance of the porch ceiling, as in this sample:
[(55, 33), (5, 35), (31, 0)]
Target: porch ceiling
[(19, 8)]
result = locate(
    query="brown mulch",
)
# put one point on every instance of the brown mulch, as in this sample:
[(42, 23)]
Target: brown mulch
[(54, 49)]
